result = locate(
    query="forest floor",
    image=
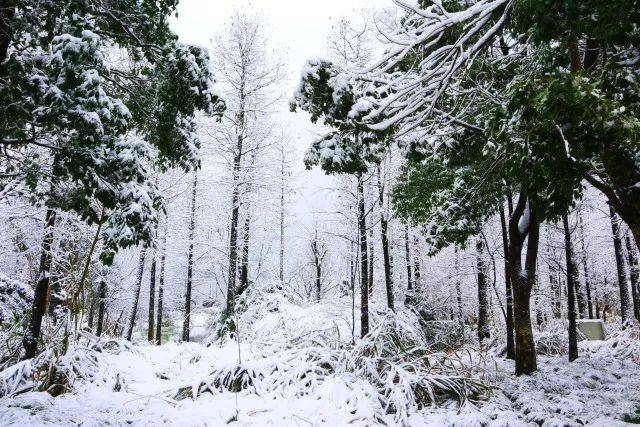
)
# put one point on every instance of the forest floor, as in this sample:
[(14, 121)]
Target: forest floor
[(295, 366), (135, 387)]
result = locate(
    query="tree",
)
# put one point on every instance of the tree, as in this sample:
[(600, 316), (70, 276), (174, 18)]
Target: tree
[(626, 312), (136, 298), (82, 135), (319, 253), (161, 284), (483, 303), (633, 276), (248, 77), (152, 295), (571, 299), (102, 296), (384, 226), (186, 325), (511, 350)]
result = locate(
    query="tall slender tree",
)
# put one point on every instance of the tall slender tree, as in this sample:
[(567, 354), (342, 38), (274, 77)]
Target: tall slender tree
[(511, 351), (161, 284), (626, 311), (483, 303), (571, 300), (102, 297), (152, 297), (136, 297), (384, 226), (186, 325)]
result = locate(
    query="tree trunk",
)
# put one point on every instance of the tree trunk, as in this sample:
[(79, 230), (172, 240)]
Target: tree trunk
[(318, 264), (244, 261), (633, 274), (625, 305), (585, 270), (161, 286), (39, 307), (102, 295), (407, 253), (282, 213), (186, 325), (152, 302), (388, 279), (364, 266), (417, 285), (370, 246), (526, 362), (483, 312), (91, 311), (136, 297), (539, 313), (511, 349), (458, 287), (571, 300)]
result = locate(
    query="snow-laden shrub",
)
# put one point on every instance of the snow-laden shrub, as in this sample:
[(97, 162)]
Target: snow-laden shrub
[(553, 339), (302, 347), (49, 372), (59, 367), (15, 300), (408, 375)]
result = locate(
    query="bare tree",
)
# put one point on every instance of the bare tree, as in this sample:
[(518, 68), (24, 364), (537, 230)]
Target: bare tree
[(625, 305), (161, 285), (249, 81), (319, 253)]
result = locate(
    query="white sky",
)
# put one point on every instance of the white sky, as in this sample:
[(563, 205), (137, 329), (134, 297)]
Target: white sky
[(297, 31)]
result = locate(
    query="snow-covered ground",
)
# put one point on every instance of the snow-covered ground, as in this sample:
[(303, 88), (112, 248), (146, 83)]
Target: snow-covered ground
[(591, 391), (295, 366)]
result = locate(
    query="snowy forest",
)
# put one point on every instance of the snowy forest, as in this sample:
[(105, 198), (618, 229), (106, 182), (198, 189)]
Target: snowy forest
[(349, 212)]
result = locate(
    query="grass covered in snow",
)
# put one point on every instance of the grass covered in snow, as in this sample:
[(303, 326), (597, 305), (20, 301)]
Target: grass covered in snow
[(294, 364)]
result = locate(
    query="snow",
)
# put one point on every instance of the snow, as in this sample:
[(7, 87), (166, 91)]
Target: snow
[(523, 222), (284, 349)]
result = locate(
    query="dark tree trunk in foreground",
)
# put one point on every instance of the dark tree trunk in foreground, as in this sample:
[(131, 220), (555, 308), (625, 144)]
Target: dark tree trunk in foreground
[(161, 287), (633, 275), (483, 312), (39, 307), (388, 277), (364, 262), (511, 348), (152, 302), (571, 300), (136, 297), (186, 325), (522, 281), (625, 306), (102, 297)]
